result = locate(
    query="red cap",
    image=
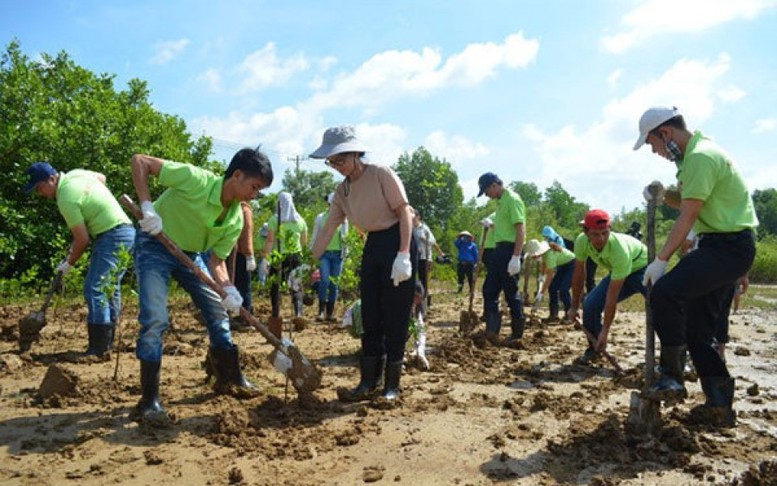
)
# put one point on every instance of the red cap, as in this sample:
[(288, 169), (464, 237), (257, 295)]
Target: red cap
[(597, 219)]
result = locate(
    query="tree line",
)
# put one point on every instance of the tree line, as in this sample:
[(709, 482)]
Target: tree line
[(54, 110)]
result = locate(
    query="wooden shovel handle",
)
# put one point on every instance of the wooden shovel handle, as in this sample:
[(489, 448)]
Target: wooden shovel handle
[(592, 342)]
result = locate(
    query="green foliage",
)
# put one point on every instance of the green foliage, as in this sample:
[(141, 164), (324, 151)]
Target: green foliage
[(565, 208), (308, 188), (432, 186), (765, 202), (528, 191), (51, 109), (764, 268)]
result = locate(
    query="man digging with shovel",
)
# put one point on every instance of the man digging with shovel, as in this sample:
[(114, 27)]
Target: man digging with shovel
[(200, 212), (94, 217), (714, 201)]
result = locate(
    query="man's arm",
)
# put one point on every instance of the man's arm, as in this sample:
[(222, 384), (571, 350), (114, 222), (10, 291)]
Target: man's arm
[(689, 210), (142, 167), (610, 307), (520, 235), (79, 245), (405, 215), (248, 227), (218, 270)]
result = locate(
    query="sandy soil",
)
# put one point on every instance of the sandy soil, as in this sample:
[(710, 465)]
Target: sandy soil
[(481, 415)]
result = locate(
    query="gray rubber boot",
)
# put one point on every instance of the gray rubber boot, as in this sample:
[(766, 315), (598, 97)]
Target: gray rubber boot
[(670, 386)]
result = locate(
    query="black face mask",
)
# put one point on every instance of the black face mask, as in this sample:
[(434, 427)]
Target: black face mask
[(672, 149)]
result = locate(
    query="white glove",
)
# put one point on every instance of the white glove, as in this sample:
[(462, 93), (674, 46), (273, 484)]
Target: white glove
[(401, 270), (654, 271), (541, 280), (232, 301), (487, 222), (250, 264), (264, 267), (151, 222), (659, 189), (514, 267), (64, 267)]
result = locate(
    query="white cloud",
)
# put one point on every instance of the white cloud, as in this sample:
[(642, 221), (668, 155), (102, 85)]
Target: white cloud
[(731, 94), (263, 68), (392, 74), (596, 162), (212, 80), (167, 51), (660, 17), (614, 77), (455, 149), (765, 125)]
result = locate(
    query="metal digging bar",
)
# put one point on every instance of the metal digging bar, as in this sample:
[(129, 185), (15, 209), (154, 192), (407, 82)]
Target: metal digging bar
[(286, 357)]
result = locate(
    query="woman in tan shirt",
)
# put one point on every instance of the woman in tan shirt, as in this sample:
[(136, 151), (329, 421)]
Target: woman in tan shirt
[(373, 198)]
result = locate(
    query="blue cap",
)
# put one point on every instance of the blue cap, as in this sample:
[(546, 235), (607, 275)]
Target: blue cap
[(551, 236), (39, 171), (486, 180)]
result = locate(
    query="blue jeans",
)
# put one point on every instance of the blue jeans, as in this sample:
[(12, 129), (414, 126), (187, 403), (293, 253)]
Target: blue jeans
[(560, 285), (593, 305), (330, 265), (104, 310), (154, 266)]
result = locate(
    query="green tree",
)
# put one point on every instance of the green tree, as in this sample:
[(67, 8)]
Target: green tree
[(528, 191), (308, 188), (432, 187), (765, 202), (567, 210), (53, 110)]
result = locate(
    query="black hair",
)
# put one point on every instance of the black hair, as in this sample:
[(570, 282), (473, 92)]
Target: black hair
[(677, 122), (253, 163)]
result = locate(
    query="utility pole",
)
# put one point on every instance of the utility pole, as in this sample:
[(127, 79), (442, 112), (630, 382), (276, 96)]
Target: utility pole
[(296, 159)]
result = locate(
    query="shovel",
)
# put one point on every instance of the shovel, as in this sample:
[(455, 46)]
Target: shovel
[(468, 320), (31, 324), (592, 343), (286, 357), (644, 415)]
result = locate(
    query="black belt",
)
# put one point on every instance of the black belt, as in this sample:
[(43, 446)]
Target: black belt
[(727, 236), (502, 244)]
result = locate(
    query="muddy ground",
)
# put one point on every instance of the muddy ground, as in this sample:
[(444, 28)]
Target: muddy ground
[(481, 415)]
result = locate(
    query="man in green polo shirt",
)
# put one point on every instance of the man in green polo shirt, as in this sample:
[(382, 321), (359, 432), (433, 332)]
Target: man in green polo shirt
[(714, 201), (504, 268), (200, 211), (625, 257), (94, 216)]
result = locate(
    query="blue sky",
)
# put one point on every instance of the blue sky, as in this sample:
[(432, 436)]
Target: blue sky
[(534, 91)]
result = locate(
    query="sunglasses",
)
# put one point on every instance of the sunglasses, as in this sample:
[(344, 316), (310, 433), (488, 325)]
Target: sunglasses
[(337, 161)]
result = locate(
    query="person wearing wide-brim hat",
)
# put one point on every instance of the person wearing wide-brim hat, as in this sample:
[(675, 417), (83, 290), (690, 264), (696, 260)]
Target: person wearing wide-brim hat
[(558, 265), (373, 198), (468, 259)]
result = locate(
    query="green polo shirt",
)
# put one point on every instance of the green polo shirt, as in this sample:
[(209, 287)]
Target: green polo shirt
[(83, 199), (510, 211), (191, 206), (706, 173), (554, 259), (290, 234), (622, 255)]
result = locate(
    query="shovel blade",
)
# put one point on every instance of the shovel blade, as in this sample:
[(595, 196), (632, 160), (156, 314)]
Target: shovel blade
[(304, 375), (644, 416)]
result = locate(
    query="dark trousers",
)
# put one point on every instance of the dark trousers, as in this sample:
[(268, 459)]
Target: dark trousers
[(423, 274), (242, 279), (560, 285), (688, 300), (289, 263), (590, 275), (721, 326), (466, 269), (385, 308), (498, 280)]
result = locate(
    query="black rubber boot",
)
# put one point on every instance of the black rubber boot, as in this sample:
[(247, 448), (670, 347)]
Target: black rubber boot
[(149, 405), (553, 314), (670, 386), (100, 339), (330, 312), (393, 375), (321, 306), (229, 377), (719, 391), (516, 332), (370, 369), (493, 326)]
